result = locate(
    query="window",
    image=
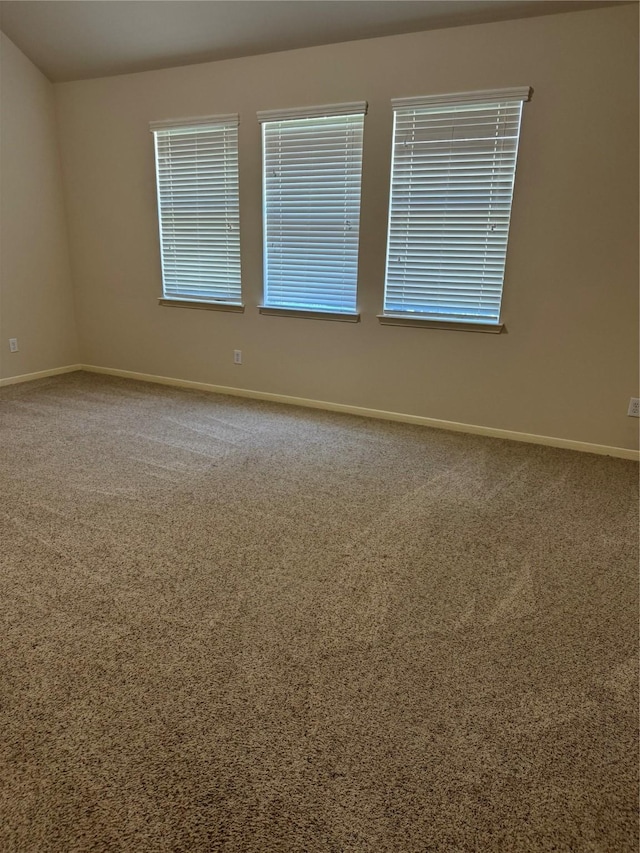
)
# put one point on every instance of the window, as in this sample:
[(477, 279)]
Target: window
[(452, 175), (197, 180), (312, 166)]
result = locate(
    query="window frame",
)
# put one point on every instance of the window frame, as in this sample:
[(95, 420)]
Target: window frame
[(227, 164), (439, 105), (312, 309)]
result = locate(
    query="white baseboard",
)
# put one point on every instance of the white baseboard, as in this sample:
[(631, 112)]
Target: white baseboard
[(41, 374), (550, 441)]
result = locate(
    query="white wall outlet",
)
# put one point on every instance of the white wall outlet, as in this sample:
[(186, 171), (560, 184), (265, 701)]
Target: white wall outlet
[(634, 407), (13, 344), (237, 356)]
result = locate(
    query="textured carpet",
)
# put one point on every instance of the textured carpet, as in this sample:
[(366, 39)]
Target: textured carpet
[(238, 626)]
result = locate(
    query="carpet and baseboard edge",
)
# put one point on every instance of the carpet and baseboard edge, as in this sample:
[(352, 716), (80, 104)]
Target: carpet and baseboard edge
[(551, 441), (41, 374), (453, 426)]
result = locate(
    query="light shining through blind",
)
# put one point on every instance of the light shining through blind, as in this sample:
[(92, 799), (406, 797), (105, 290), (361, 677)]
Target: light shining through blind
[(452, 180), (197, 180), (312, 173)]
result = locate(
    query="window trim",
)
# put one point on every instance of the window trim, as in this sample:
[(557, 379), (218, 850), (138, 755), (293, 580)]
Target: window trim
[(418, 321)]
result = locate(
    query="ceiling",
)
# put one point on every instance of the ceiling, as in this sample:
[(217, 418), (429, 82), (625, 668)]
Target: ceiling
[(79, 39)]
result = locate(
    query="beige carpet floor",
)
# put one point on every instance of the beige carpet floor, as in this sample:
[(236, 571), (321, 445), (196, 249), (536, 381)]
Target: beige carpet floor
[(238, 626)]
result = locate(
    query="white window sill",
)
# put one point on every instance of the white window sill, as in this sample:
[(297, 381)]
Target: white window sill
[(429, 323), (310, 315), (201, 303)]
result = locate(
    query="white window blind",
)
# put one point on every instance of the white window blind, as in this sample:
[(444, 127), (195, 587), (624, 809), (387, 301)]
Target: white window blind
[(452, 176), (312, 167), (197, 181)]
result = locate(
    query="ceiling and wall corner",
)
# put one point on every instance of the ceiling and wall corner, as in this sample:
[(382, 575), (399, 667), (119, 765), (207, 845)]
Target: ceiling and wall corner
[(36, 296), (69, 40)]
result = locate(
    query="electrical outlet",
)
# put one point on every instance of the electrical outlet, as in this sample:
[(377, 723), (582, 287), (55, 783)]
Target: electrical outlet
[(634, 407), (237, 356), (13, 344)]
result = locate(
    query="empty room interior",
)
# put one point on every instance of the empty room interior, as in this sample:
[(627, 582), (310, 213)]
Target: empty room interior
[(319, 399)]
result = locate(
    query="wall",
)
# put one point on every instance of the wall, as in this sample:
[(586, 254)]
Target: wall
[(36, 298), (568, 362)]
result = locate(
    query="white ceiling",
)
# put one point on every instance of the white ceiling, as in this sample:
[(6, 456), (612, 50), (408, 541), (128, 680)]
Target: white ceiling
[(78, 39)]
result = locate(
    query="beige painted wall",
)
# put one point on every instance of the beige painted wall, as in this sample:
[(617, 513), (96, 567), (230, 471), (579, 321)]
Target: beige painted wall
[(36, 298), (569, 362)]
